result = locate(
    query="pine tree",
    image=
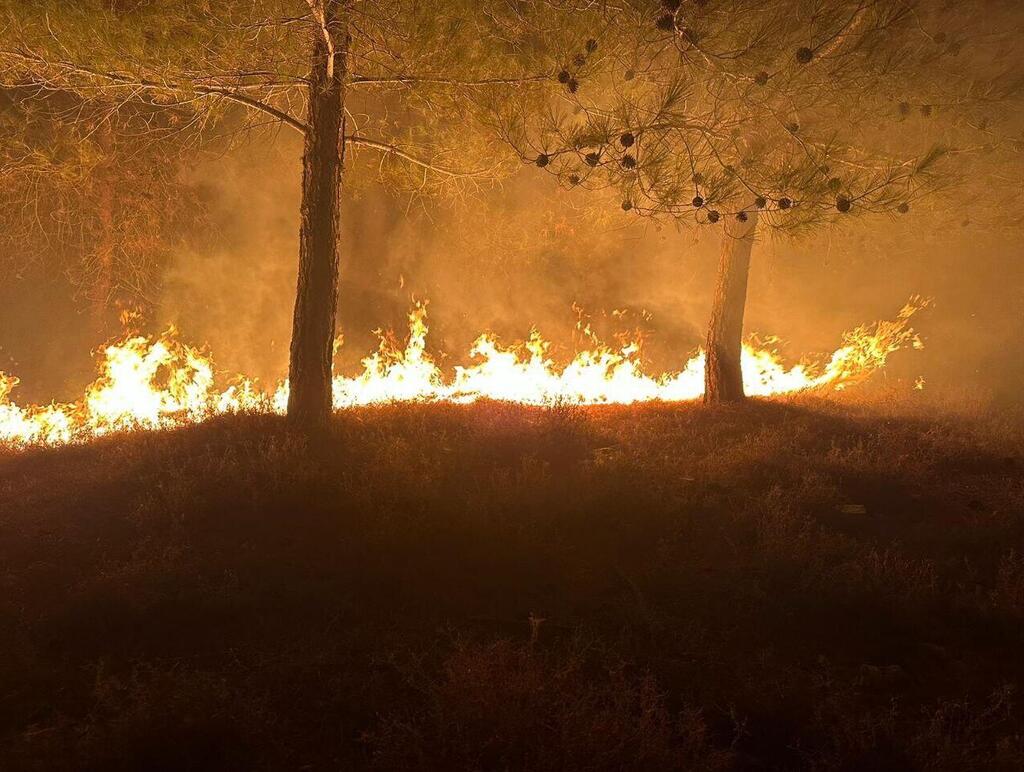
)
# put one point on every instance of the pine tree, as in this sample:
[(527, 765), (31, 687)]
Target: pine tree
[(766, 117), (399, 79)]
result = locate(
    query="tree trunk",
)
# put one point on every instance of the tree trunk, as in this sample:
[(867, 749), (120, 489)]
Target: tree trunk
[(723, 374), (316, 300)]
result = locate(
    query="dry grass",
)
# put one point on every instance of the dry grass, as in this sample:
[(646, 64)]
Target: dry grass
[(797, 584)]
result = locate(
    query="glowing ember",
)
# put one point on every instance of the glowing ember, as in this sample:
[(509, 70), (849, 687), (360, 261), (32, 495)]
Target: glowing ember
[(161, 383)]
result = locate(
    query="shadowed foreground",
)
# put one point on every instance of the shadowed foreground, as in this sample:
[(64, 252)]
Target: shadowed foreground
[(789, 585)]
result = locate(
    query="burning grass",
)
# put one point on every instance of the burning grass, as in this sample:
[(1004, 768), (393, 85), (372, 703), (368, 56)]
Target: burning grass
[(793, 584), (160, 383)]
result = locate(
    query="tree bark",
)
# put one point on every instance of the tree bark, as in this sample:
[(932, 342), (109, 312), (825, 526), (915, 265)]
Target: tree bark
[(316, 299), (723, 373)]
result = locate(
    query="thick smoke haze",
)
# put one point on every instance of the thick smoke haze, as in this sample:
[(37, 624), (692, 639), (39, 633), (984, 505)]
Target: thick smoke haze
[(526, 253)]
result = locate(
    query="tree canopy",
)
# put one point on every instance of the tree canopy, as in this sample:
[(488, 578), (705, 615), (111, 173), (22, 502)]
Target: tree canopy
[(803, 109)]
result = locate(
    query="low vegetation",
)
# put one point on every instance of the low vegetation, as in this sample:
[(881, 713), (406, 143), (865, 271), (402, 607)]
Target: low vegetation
[(798, 584)]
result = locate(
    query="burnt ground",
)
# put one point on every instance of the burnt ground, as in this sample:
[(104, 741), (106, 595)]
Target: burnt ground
[(802, 584)]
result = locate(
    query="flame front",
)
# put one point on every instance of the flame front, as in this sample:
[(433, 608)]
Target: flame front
[(156, 383)]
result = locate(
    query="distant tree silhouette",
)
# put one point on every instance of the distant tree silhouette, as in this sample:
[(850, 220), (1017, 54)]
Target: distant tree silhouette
[(91, 188)]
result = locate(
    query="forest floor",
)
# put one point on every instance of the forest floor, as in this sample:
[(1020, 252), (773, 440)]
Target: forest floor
[(795, 584)]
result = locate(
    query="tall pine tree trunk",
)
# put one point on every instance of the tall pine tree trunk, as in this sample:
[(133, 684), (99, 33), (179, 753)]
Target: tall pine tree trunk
[(723, 375), (316, 300)]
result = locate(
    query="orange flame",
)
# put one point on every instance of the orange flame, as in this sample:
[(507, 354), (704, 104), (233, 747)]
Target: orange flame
[(154, 383)]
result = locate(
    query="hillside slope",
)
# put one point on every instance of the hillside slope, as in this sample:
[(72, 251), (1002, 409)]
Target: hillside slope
[(800, 584)]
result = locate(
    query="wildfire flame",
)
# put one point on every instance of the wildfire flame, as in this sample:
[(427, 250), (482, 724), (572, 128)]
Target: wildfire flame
[(156, 383)]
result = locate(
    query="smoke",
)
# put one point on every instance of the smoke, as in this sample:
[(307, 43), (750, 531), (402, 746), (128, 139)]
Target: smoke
[(504, 258), (231, 286), (526, 253)]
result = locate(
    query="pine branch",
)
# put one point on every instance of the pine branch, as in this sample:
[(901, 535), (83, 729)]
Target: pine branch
[(119, 80), (384, 147), (360, 80)]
